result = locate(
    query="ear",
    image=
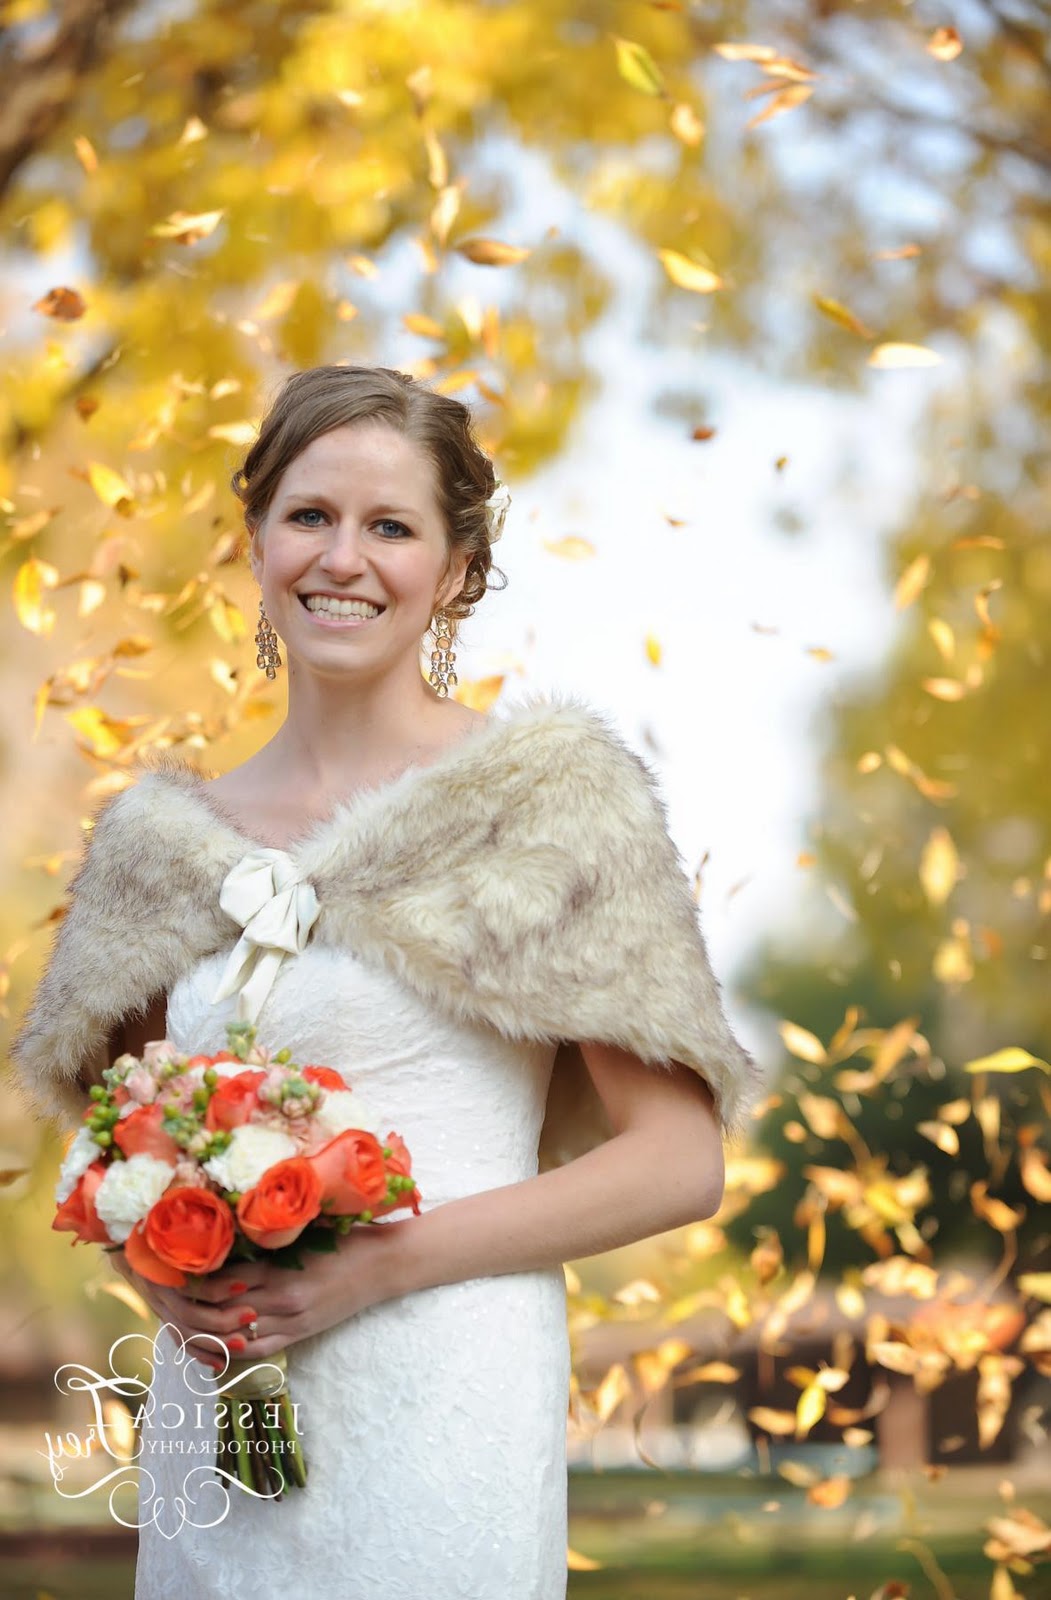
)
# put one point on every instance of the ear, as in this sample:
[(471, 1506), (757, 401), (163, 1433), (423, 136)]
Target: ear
[(255, 557), (453, 581)]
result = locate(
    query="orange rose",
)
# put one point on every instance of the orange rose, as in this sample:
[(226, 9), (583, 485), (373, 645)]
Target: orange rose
[(327, 1077), (285, 1199), (190, 1229), (143, 1134), (353, 1176), (78, 1215), (399, 1162), (233, 1101), (147, 1263)]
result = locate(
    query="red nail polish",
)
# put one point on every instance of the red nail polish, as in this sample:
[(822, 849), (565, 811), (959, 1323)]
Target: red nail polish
[(236, 1342), (247, 1316), (238, 1287)]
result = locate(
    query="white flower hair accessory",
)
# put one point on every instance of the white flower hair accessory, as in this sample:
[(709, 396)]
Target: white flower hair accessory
[(496, 509)]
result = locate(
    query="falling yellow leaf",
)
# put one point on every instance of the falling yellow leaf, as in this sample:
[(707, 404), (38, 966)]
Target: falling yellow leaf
[(903, 355), (686, 125), (912, 582), (227, 619), (32, 610), (701, 278), (1038, 1284), (133, 644), (786, 99), (807, 1046), (943, 637), (780, 1422), (1036, 1177), (652, 1367), (85, 152), (276, 301), (810, 1408), (1002, 1588), (653, 650), (62, 303), (492, 252), (638, 1292), (614, 1388), (1010, 1059), (638, 68), (745, 52), (425, 326), (194, 130), (186, 227), (999, 1215), (578, 1563), (944, 688), (824, 1114), (944, 44), (110, 487), (939, 866), (709, 1372), (241, 433), (829, 1493), (767, 1258), (571, 548), (842, 314), (946, 1138)]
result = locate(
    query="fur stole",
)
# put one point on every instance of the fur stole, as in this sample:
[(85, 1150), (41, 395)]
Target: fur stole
[(525, 879)]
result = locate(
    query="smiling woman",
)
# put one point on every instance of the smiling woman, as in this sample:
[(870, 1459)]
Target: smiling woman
[(499, 951)]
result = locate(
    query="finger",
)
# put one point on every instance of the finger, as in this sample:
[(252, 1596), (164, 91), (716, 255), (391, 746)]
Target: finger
[(265, 1346), (228, 1285), (228, 1320)]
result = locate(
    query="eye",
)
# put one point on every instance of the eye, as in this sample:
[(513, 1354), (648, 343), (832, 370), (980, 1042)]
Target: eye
[(315, 511)]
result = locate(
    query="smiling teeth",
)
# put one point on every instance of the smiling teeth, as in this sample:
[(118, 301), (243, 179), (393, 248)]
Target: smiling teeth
[(341, 608)]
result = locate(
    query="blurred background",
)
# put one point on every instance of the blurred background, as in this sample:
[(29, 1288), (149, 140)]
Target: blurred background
[(751, 304)]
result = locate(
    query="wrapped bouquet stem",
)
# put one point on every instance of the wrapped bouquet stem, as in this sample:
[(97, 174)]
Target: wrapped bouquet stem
[(257, 1434)]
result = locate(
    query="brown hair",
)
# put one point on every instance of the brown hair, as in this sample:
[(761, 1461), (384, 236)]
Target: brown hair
[(317, 399)]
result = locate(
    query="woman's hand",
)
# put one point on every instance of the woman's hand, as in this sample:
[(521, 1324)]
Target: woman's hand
[(287, 1304), (181, 1309)]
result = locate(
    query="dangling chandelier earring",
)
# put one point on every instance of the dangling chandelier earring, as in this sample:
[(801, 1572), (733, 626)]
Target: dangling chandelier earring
[(269, 657), (443, 657)]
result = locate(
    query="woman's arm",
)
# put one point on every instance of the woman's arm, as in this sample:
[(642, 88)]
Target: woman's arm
[(133, 1034), (662, 1169)]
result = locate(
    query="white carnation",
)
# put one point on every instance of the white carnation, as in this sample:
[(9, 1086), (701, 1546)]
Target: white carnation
[(82, 1153), (251, 1151), (128, 1190), (341, 1109)]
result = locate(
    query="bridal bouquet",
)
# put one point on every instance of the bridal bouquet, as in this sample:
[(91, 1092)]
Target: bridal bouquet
[(189, 1162)]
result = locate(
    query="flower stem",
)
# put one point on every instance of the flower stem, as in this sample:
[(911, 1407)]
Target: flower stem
[(293, 1450)]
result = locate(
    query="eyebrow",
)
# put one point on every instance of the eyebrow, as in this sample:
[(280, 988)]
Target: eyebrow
[(323, 500)]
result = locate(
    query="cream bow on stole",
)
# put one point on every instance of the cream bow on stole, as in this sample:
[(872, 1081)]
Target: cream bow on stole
[(277, 909)]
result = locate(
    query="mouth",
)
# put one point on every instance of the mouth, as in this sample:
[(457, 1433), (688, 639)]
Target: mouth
[(326, 618)]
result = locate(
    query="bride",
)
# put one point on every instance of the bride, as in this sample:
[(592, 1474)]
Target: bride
[(428, 1355)]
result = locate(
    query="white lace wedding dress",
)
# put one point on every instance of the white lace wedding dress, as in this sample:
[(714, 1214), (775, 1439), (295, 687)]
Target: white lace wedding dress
[(434, 1424)]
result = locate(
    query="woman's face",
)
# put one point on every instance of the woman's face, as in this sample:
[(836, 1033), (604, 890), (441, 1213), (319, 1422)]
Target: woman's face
[(355, 516)]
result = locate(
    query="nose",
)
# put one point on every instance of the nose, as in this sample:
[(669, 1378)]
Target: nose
[(344, 554)]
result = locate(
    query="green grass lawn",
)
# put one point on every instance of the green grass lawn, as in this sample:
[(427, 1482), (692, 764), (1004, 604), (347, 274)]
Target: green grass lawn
[(699, 1537)]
